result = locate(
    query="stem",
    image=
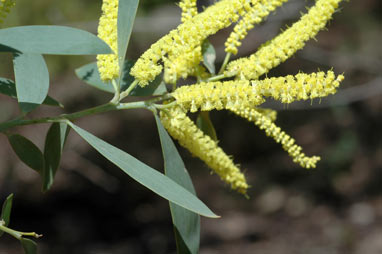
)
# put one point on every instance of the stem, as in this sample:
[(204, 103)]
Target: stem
[(95, 110), (216, 78), (11, 232), (128, 90), (164, 106), (17, 234), (116, 97), (225, 62)]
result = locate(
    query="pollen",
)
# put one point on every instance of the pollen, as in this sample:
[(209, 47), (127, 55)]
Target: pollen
[(108, 65), (183, 129)]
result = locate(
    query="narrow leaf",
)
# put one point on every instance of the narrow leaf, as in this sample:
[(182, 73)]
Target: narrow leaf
[(29, 246), (54, 144), (8, 87), (32, 80), (90, 75), (54, 40), (186, 223), (204, 123), (209, 56), (127, 10), (6, 211), (27, 152), (145, 175)]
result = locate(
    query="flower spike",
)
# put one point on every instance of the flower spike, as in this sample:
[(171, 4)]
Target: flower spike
[(288, 143), (258, 10), (183, 41), (188, 9), (108, 65), (284, 45), (202, 146)]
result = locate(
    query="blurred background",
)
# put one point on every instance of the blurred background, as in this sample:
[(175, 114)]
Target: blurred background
[(93, 208)]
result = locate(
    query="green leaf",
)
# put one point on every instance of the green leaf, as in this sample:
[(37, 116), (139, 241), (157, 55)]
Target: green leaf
[(145, 175), (32, 80), (127, 10), (186, 223), (54, 40), (90, 75), (6, 211), (204, 123), (54, 144), (29, 246), (27, 152), (7, 87), (209, 56)]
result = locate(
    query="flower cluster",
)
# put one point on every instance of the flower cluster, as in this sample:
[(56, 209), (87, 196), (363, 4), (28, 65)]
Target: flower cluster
[(108, 65), (5, 8), (179, 54), (202, 146), (284, 45), (259, 10), (189, 9), (265, 123), (180, 49)]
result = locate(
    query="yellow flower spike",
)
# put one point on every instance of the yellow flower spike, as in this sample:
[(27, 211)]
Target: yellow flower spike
[(288, 143), (269, 113), (299, 87), (286, 44), (258, 10), (217, 95), (189, 9), (108, 65), (183, 129), (5, 8), (186, 38)]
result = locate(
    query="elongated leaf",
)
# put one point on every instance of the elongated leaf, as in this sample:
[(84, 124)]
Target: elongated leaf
[(27, 152), (8, 87), (90, 75), (54, 40), (186, 223), (209, 56), (6, 211), (54, 144), (126, 15), (29, 246), (204, 123), (148, 177), (32, 80)]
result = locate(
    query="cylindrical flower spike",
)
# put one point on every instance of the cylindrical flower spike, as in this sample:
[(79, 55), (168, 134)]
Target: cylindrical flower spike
[(108, 65), (185, 39), (288, 143), (299, 87), (5, 8), (284, 45), (258, 10), (202, 146), (189, 9), (217, 95)]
